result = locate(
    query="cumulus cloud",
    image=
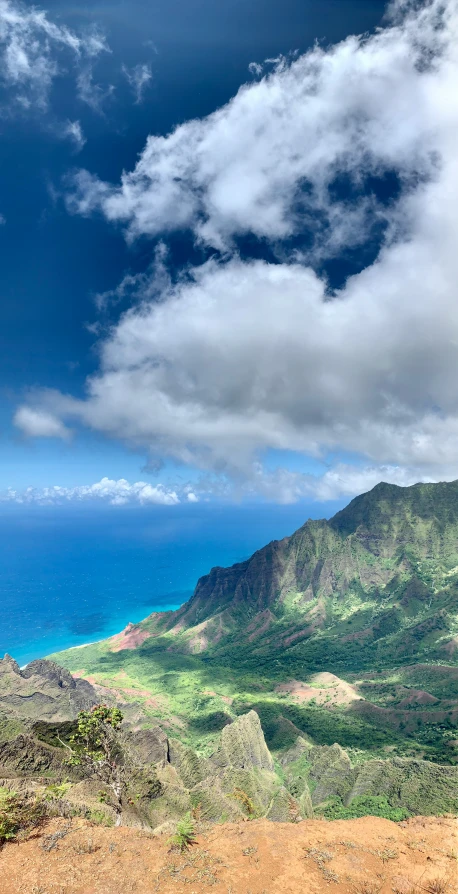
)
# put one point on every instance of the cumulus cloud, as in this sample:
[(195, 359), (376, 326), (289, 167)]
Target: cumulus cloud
[(116, 493), (139, 78), (271, 161), (240, 356), (34, 50)]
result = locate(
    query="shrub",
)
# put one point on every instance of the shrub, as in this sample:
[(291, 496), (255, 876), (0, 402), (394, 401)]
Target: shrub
[(19, 816), (99, 817), (57, 790)]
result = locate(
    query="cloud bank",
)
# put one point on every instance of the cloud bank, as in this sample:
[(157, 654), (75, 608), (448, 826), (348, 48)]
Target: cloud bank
[(116, 493), (279, 486), (240, 356)]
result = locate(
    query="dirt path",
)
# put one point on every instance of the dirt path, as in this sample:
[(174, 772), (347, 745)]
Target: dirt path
[(365, 856)]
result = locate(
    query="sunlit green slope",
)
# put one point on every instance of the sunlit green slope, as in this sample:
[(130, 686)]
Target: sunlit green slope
[(346, 631)]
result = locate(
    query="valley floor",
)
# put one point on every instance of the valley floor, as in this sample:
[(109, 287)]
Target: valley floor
[(362, 856)]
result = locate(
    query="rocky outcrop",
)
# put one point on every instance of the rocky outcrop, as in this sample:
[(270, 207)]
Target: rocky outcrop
[(243, 745), (190, 768), (150, 745), (25, 757), (238, 780), (331, 773), (163, 779), (418, 786), (318, 775), (42, 691)]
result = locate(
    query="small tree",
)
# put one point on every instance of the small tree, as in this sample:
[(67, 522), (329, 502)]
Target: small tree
[(95, 747)]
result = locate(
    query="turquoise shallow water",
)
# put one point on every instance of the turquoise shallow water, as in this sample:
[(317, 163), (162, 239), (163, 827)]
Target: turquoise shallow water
[(69, 577)]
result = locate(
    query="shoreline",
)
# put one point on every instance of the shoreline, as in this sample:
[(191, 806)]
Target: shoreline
[(80, 646), (119, 629), (83, 645)]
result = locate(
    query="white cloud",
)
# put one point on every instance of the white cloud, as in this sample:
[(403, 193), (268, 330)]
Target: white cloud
[(93, 94), (265, 162), (255, 69), (139, 78), (242, 356), (344, 480), (40, 423), (139, 287), (73, 131), (279, 486), (34, 51), (116, 493)]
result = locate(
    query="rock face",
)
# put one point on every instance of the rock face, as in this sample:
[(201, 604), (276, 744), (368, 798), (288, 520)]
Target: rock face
[(243, 745), (27, 758), (151, 745), (321, 774), (42, 691), (330, 773), (237, 780), (418, 786)]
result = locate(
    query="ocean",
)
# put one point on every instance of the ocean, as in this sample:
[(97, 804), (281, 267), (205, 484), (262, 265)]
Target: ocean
[(73, 575)]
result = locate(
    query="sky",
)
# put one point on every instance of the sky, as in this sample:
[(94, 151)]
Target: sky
[(228, 237)]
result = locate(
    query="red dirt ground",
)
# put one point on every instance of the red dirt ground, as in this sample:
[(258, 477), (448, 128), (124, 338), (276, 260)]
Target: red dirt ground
[(364, 856), (129, 638)]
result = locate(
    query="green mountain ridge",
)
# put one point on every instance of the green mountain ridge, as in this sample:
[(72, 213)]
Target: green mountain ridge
[(338, 644), (382, 573), (345, 632)]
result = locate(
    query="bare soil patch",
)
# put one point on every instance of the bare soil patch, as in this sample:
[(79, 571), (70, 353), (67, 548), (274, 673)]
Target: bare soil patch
[(325, 688), (129, 638), (364, 856)]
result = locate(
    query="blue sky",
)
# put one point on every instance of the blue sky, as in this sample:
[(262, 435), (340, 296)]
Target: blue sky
[(250, 311)]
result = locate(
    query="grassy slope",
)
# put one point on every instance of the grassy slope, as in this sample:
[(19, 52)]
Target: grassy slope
[(371, 596)]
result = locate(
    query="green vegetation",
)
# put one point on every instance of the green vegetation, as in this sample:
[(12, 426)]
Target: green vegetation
[(54, 733), (93, 740), (182, 684), (365, 806), (19, 815), (185, 834), (9, 728), (99, 818), (95, 748), (370, 597), (57, 790)]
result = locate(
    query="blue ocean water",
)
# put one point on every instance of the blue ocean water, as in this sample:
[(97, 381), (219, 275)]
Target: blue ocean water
[(70, 576)]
